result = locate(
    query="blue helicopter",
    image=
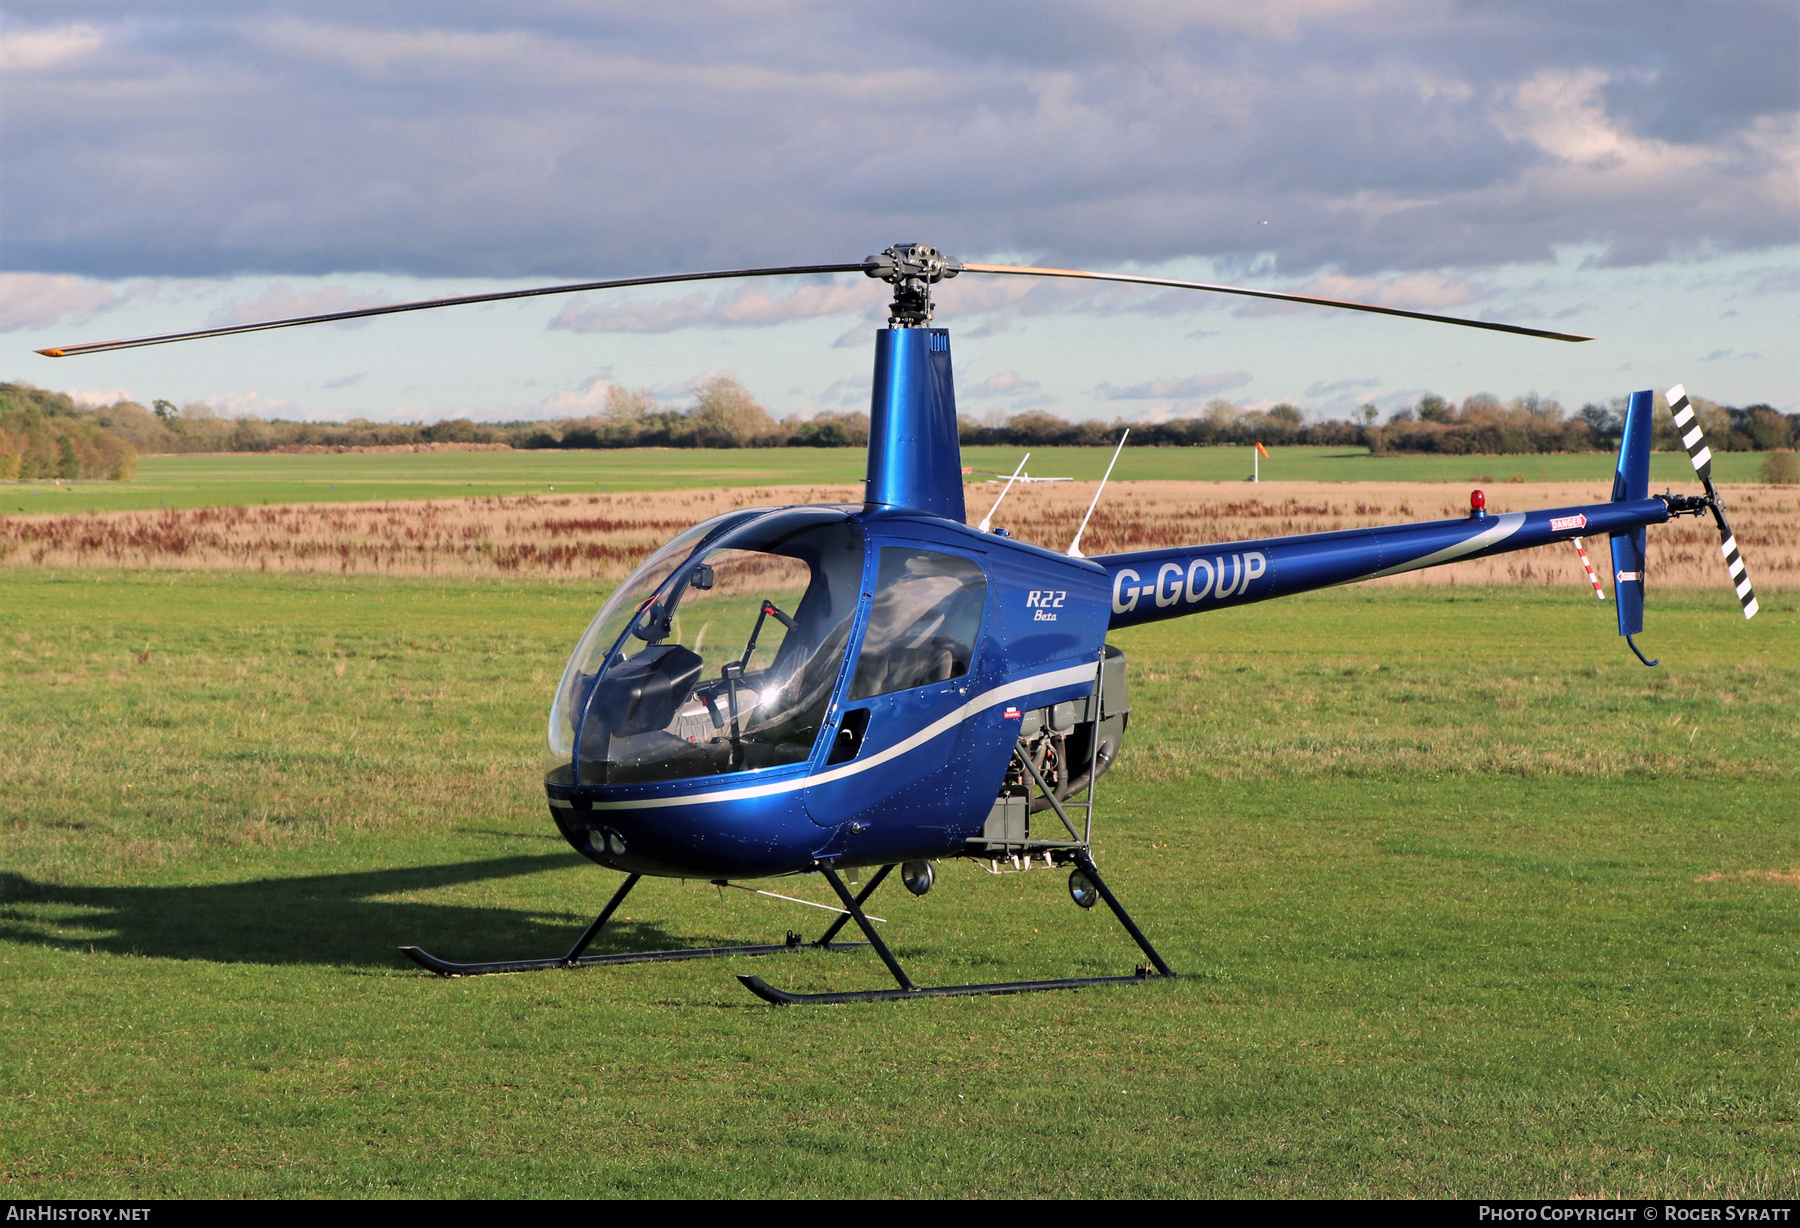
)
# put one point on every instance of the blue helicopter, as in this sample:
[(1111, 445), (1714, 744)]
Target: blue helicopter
[(826, 688)]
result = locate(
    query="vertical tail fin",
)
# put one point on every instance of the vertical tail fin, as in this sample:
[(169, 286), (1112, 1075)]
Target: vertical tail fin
[(1631, 480)]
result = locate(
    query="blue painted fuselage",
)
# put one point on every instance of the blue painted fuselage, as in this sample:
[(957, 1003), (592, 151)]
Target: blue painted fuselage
[(929, 759)]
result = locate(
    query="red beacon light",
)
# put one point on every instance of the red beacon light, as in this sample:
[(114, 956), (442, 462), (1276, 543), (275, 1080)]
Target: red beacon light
[(1477, 505)]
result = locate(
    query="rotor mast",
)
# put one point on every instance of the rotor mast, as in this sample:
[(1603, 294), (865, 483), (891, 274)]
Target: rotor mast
[(915, 460)]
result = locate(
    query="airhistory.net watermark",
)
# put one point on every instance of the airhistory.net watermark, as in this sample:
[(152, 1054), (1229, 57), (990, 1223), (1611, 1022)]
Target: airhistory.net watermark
[(56, 1213)]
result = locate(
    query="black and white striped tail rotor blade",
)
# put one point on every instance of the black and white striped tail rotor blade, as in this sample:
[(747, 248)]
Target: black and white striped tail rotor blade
[(1687, 425), (1735, 564)]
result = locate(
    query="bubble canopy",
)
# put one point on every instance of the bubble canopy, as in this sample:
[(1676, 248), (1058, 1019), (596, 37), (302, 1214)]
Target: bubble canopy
[(719, 654)]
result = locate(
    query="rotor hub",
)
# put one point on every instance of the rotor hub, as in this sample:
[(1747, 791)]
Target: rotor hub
[(911, 268)]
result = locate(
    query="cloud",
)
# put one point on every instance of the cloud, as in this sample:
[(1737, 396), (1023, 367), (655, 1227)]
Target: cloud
[(1183, 388), (1324, 389), (280, 302), (254, 404), (40, 300), (845, 394), (749, 304), (987, 328), (1416, 291), (1006, 384), (345, 381), (586, 400), (560, 141), (90, 396), (1412, 292), (23, 51), (1009, 392)]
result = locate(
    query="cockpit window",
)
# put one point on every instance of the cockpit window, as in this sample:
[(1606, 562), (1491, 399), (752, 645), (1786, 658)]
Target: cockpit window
[(729, 664), (609, 624), (923, 623)]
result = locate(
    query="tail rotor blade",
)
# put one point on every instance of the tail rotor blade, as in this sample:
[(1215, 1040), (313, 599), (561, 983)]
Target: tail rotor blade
[(1734, 563), (1692, 437), (1700, 456)]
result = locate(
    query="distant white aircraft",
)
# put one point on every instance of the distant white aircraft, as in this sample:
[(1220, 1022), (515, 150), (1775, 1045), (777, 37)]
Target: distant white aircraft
[(1019, 475), (1022, 477)]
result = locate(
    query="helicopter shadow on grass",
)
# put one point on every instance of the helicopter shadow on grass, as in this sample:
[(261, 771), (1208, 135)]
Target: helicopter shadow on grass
[(340, 919)]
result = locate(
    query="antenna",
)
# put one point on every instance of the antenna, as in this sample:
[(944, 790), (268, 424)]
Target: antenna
[(988, 520), (1074, 551)]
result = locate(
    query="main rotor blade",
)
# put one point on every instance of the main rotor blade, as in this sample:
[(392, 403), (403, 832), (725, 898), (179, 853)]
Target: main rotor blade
[(1019, 270), (101, 347)]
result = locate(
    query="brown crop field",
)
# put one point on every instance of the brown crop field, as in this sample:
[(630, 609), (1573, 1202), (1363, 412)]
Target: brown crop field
[(602, 536)]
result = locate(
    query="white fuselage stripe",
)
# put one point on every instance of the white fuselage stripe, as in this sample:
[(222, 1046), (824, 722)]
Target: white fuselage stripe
[(1502, 528), (987, 699)]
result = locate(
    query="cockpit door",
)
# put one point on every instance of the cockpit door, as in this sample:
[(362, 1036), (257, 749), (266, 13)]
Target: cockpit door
[(895, 755)]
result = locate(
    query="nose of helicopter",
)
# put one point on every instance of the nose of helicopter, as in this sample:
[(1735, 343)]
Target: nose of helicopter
[(741, 837)]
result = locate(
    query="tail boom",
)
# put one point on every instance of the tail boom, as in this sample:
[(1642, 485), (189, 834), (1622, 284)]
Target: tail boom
[(1151, 585)]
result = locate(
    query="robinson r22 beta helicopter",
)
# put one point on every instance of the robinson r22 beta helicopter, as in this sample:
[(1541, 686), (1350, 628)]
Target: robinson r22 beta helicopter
[(814, 689)]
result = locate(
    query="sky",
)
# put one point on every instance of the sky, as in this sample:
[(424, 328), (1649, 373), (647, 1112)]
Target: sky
[(1626, 170)]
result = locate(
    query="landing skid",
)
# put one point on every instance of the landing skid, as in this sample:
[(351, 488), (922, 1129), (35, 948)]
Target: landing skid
[(444, 967), (780, 997), (853, 910), (575, 958)]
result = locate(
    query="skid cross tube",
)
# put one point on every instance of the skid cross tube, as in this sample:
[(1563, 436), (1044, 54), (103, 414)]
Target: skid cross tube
[(575, 958), (853, 905), (861, 898)]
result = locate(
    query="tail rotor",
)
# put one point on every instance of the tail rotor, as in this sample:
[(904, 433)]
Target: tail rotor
[(1694, 439)]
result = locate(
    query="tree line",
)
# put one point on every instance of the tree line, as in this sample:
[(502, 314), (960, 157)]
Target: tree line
[(47, 435)]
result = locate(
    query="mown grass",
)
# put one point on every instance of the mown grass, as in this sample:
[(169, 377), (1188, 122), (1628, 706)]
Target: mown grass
[(251, 478), (1465, 900)]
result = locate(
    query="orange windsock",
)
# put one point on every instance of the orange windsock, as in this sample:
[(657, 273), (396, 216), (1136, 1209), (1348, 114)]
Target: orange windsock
[(1263, 450)]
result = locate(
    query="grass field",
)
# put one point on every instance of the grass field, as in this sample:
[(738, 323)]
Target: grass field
[(1465, 900), (250, 478)]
